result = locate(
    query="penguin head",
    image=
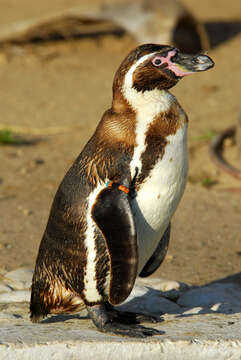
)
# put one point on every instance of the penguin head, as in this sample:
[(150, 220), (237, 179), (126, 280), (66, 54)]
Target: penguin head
[(153, 66)]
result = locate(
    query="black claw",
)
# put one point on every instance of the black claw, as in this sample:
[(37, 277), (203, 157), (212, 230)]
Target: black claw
[(148, 318), (136, 318)]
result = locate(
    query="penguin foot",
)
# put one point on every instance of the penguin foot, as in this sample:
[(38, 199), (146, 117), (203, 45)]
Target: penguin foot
[(147, 318), (119, 325)]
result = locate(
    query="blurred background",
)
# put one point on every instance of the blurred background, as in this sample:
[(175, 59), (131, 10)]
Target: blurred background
[(57, 62)]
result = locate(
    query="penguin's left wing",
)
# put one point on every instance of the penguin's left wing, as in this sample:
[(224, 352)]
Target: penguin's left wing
[(158, 256), (113, 214)]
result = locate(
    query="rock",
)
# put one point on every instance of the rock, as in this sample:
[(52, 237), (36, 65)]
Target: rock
[(216, 293), (148, 301), (196, 337), (19, 279), (192, 311), (15, 296), (187, 333), (170, 289)]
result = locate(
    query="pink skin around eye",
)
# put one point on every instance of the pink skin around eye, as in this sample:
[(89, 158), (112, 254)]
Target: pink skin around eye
[(172, 66)]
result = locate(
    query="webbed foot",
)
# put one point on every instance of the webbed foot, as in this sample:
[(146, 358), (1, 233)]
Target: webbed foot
[(120, 325)]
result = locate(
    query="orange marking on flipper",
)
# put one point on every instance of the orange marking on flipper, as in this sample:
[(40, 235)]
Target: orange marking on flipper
[(124, 189), (120, 187)]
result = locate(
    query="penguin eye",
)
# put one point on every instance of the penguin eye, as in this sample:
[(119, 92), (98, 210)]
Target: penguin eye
[(156, 61)]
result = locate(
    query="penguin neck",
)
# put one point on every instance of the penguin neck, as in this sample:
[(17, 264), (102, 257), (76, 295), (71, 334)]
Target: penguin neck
[(153, 102), (146, 105)]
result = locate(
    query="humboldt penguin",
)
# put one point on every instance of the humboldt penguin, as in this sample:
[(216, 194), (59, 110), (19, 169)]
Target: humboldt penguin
[(110, 218)]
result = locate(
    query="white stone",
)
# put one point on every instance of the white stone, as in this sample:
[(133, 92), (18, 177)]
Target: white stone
[(216, 293), (20, 279), (195, 310), (170, 289), (15, 296), (149, 301)]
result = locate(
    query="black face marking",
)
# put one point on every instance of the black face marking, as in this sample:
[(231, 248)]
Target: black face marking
[(149, 75), (133, 57)]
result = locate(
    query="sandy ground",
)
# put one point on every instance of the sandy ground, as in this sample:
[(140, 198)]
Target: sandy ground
[(57, 93)]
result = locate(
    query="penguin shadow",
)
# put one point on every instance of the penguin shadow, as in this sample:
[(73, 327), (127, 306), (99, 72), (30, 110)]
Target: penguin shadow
[(63, 317), (221, 31)]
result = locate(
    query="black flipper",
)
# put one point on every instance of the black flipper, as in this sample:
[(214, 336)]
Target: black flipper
[(113, 214), (158, 256)]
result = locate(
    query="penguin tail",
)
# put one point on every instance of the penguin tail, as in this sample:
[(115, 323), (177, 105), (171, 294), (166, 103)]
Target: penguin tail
[(38, 307), (53, 300)]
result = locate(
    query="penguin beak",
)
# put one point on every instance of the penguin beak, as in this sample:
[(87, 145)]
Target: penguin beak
[(185, 64)]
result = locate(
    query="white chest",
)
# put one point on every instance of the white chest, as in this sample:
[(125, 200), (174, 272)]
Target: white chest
[(159, 195)]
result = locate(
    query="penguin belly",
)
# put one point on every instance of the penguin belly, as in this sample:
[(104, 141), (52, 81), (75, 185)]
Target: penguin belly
[(159, 195)]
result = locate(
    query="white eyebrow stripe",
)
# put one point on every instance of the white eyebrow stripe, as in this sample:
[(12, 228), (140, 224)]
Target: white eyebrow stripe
[(129, 74)]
